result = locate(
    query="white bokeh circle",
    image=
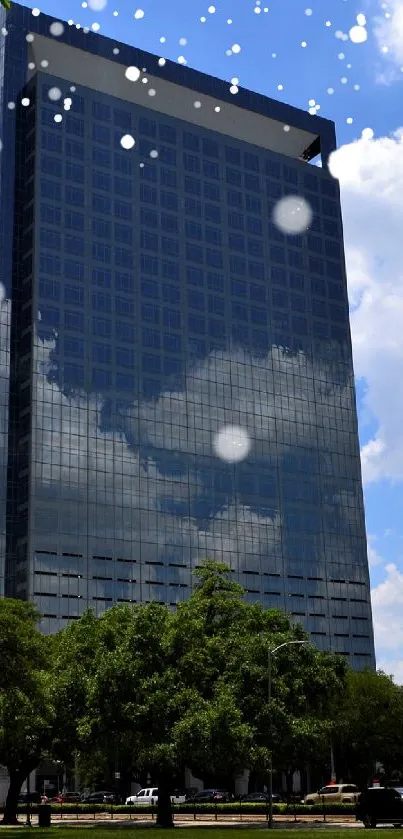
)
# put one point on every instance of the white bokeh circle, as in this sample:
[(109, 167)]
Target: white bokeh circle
[(292, 214), (232, 443)]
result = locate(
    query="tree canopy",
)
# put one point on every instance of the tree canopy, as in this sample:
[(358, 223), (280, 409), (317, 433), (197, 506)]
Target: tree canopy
[(142, 689)]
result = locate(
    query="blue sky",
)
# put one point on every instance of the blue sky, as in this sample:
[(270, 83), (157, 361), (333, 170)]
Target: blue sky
[(300, 51)]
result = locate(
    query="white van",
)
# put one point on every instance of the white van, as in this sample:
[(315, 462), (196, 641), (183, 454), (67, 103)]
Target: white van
[(149, 795)]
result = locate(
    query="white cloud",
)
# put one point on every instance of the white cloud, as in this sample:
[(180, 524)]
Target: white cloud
[(388, 32), (387, 600), (374, 557), (371, 177)]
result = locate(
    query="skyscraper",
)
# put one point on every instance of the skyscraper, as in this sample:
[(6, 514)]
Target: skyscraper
[(176, 371)]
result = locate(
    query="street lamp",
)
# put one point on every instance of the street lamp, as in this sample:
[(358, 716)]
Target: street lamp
[(270, 653)]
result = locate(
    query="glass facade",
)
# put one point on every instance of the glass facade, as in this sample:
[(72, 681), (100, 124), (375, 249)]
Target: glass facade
[(154, 305)]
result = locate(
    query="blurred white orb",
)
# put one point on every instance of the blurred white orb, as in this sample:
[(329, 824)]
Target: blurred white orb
[(132, 74), (292, 214), (367, 133), (127, 141), (232, 443), (358, 34), (56, 28), (54, 94)]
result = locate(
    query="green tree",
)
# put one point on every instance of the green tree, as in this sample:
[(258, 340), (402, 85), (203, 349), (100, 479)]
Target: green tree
[(26, 711), (6, 4), (160, 690), (368, 727)]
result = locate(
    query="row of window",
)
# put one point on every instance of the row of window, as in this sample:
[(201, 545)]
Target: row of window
[(207, 146), (103, 180)]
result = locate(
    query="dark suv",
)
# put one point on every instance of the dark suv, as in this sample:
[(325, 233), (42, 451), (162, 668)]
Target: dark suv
[(380, 805)]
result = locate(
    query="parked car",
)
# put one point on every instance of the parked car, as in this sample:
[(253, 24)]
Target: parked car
[(209, 796), (380, 805), (334, 794), (29, 798), (100, 797), (149, 795), (261, 797)]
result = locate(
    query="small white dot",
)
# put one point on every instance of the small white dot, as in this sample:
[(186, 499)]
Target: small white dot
[(152, 92), (197, 104), (234, 89), (235, 80), (203, 19), (357, 86), (328, 23), (236, 48), (132, 74), (341, 56), (84, 5), (211, 10), (349, 120), (57, 117), (154, 154), (127, 141), (56, 28), (304, 44), (144, 81), (312, 103), (183, 42), (265, 9), (4, 31), (30, 37), (217, 109), (228, 52), (330, 90), (97, 5), (344, 79), (73, 89), (162, 40), (312, 111), (287, 128), (308, 12), (11, 106), (361, 19), (45, 63), (229, 21), (141, 165), (79, 27), (182, 59), (139, 14), (280, 87), (385, 49), (36, 12), (116, 50), (162, 62), (96, 27), (274, 55), (31, 65), (257, 10), (70, 22), (115, 14)]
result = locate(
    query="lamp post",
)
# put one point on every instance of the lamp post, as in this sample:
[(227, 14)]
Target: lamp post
[(270, 653)]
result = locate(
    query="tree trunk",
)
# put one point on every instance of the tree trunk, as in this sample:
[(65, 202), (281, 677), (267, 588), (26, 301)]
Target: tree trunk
[(17, 778), (164, 808)]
